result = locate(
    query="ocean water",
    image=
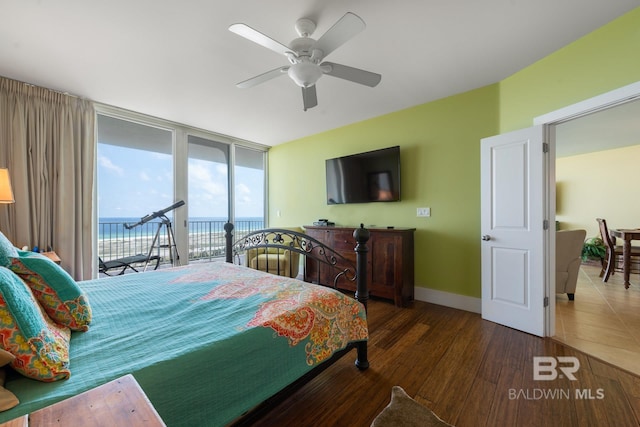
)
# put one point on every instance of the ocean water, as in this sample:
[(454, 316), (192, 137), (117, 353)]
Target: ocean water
[(114, 227)]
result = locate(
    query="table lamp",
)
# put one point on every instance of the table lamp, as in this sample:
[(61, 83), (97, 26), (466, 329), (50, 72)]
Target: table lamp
[(6, 194)]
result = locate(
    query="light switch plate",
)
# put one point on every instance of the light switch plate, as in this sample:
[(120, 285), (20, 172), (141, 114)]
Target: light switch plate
[(423, 212)]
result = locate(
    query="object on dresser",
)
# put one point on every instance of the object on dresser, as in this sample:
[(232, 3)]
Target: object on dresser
[(324, 222)]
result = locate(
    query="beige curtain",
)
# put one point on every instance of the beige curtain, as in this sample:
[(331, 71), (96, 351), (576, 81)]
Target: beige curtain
[(47, 141)]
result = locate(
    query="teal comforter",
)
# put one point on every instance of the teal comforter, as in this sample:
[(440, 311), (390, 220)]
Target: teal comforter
[(206, 342)]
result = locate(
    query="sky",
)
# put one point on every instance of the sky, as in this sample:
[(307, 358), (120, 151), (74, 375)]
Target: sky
[(134, 183)]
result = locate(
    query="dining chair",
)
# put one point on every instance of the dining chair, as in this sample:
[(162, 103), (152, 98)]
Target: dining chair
[(613, 252)]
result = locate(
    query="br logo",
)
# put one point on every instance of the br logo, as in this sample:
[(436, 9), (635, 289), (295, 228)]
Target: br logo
[(545, 368)]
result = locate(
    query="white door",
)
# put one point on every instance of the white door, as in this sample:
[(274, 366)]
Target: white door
[(513, 174)]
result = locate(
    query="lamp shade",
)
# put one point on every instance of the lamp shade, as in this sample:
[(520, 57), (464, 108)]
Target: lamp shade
[(6, 194), (305, 73)]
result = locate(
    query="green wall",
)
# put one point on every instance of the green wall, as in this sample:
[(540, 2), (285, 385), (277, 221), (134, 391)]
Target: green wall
[(440, 153), (440, 162), (599, 62)]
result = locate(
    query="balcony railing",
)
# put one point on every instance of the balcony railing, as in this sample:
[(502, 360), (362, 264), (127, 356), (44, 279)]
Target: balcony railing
[(206, 239)]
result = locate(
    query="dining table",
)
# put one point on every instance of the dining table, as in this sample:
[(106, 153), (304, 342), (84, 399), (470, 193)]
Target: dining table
[(627, 235)]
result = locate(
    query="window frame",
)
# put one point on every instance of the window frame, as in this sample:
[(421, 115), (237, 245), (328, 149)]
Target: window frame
[(180, 137)]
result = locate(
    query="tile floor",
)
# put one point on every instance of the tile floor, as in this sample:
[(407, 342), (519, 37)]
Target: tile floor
[(603, 320)]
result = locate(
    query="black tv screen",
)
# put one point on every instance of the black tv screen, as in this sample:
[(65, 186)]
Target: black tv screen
[(373, 176)]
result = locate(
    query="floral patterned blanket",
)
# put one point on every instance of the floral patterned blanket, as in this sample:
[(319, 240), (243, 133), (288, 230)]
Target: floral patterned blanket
[(206, 342)]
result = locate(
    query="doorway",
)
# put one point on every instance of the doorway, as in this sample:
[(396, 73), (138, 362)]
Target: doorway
[(538, 197), (595, 141)]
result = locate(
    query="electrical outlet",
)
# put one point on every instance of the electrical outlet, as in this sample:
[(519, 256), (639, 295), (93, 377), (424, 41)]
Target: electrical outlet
[(423, 212)]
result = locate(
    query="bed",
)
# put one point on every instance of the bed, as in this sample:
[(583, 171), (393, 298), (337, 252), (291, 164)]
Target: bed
[(209, 342)]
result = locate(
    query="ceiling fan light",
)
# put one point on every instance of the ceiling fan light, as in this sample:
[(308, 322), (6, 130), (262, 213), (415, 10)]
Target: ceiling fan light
[(305, 74)]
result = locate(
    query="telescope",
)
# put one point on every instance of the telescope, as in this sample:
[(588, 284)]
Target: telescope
[(154, 215)]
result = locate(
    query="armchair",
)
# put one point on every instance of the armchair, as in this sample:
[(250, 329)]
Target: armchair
[(279, 261), (568, 258)]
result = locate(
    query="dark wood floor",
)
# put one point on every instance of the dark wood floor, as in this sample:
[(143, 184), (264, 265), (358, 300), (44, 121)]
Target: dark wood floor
[(469, 371)]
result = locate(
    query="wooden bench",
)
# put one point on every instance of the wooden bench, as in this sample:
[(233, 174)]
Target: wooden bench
[(120, 402)]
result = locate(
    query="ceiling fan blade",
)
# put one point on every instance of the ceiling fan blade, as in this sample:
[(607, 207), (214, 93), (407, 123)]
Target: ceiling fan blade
[(343, 30), (355, 75), (257, 37), (263, 77), (309, 97)]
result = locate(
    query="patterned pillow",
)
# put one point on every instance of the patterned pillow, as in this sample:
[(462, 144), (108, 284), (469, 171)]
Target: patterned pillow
[(7, 250), (57, 292), (40, 345)]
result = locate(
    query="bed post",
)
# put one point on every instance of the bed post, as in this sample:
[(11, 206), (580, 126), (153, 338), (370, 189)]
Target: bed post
[(228, 239), (362, 292)]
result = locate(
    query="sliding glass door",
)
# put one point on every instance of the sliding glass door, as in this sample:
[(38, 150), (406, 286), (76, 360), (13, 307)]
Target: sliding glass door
[(135, 178), (249, 188), (208, 196)]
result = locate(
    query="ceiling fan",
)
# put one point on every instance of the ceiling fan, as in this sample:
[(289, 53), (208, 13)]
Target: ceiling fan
[(306, 56)]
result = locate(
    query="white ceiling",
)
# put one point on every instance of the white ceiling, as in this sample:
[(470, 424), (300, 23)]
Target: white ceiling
[(177, 60)]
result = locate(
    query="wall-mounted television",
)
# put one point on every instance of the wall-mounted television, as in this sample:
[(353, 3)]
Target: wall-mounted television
[(373, 176)]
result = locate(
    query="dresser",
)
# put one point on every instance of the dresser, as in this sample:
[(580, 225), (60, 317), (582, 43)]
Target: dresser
[(390, 270)]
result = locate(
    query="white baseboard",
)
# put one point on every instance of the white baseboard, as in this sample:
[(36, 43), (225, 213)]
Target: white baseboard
[(461, 302)]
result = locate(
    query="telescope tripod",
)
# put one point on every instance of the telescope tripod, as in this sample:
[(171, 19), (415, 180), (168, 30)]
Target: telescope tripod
[(174, 257)]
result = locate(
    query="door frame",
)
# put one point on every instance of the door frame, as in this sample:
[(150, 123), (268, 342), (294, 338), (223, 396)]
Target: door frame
[(592, 105)]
